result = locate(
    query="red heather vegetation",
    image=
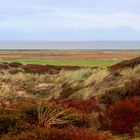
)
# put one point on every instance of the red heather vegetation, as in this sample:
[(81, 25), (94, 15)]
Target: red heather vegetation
[(22, 122), (39, 69), (32, 68), (83, 106), (3, 66), (15, 64), (122, 116), (57, 134), (73, 119)]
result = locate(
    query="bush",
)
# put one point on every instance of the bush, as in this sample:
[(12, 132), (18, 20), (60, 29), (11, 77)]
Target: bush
[(132, 87), (12, 123), (6, 122), (39, 69), (83, 106), (15, 64), (30, 114), (35, 68), (3, 66), (57, 134), (123, 116)]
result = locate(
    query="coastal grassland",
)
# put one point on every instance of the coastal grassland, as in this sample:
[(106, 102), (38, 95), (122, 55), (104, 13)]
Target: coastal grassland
[(68, 62), (70, 104)]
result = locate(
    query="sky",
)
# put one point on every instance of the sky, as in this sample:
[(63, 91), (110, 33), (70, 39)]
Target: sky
[(70, 20)]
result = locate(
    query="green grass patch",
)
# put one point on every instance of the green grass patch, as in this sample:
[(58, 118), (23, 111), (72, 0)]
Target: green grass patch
[(61, 62)]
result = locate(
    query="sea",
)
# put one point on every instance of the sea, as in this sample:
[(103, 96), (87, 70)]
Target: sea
[(43, 45)]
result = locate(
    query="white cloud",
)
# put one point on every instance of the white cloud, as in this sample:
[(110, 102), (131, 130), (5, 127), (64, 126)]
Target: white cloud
[(58, 19), (41, 16)]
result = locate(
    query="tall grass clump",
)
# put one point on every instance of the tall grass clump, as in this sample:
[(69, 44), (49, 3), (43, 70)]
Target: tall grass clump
[(51, 115)]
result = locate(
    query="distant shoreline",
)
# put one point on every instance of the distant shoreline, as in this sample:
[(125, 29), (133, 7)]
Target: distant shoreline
[(96, 45)]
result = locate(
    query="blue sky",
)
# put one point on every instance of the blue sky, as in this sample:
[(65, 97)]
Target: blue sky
[(70, 20)]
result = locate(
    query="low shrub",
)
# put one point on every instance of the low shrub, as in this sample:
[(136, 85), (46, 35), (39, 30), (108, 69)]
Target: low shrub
[(35, 68), (30, 114), (15, 64), (56, 134), (12, 123), (83, 106), (123, 116), (132, 88), (14, 71), (52, 115), (3, 66), (6, 121), (40, 69)]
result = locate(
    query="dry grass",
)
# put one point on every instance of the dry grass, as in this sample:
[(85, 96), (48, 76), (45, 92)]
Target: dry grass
[(51, 114), (131, 72), (68, 84), (96, 77), (73, 76)]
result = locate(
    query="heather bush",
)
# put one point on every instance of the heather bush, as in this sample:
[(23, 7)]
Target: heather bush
[(35, 68), (15, 64), (57, 134), (3, 66), (123, 116), (12, 123), (14, 71), (83, 106), (132, 87), (40, 69), (6, 121), (30, 114)]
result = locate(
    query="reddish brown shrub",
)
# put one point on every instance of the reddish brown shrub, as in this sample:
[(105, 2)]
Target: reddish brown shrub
[(124, 115), (15, 64), (57, 134), (14, 71), (12, 123), (35, 68), (31, 68), (132, 88), (83, 106), (83, 134), (3, 66)]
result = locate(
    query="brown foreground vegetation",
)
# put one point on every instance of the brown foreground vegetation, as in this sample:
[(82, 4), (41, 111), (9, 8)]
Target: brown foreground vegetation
[(70, 103)]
